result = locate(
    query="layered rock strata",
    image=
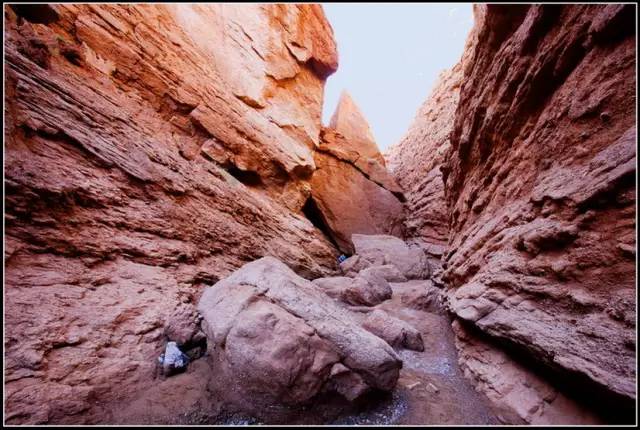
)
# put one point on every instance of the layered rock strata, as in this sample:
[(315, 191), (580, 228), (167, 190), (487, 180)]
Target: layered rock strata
[(539, 187), (415, 162), (150, 149)]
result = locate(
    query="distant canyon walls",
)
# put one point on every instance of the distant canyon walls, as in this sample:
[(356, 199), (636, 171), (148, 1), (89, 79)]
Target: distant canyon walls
[(538, 178)]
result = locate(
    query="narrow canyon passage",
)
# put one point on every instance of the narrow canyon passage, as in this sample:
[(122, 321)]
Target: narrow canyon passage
[(187, 243)]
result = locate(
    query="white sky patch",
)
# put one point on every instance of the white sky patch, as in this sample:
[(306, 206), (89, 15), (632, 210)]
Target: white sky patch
[(390, 56)]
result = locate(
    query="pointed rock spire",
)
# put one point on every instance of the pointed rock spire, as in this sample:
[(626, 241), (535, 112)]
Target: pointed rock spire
[(350, 122)]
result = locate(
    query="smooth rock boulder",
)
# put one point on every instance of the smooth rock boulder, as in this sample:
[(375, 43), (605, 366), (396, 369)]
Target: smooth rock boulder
[(394, 331), (356, 291), (277, 338), (383, 250)]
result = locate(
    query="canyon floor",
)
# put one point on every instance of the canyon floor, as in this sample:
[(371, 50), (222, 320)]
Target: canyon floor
[(431, 389)]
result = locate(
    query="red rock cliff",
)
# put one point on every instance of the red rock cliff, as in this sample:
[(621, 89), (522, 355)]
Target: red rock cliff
[(150, 149), (540, 194)]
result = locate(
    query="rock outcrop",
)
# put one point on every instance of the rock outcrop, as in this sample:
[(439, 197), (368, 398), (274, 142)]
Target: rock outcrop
[(150, 150), (378, 252), (351, 123), (539, 187), (280, 339), (352, 191)]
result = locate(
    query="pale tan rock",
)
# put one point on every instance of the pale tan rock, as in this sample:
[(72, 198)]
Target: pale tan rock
[(355, 291), (394, 331), (278, 337)]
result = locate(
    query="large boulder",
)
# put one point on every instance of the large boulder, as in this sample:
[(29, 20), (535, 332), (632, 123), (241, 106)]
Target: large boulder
[(383, 250), (396, 332), (278, 338)]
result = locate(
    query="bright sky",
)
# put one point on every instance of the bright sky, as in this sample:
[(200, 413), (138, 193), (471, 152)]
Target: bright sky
[(390, 56)]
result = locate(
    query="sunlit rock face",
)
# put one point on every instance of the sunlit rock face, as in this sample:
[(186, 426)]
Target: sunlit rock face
[(351, 188), (350, 122), (150, 150)]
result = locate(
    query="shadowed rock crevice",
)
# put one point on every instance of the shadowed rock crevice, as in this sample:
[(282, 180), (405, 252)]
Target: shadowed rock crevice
[(313, 214)]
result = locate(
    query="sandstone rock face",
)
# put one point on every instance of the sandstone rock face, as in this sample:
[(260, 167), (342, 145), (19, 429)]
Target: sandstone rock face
[(519, 395), (350, 202), (280, 338), (536, 243), (539, 185), (351, 123), (150, 149)]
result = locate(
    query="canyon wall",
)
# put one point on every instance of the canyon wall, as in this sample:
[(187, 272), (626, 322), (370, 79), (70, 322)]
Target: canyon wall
[(539, 187), (150, 150)]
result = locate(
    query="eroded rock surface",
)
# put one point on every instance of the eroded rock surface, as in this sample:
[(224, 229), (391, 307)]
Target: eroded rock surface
[(539, 186), (280, 339), (519, 395), (352, 189), (416, 161), (535, 248), (150, 150)]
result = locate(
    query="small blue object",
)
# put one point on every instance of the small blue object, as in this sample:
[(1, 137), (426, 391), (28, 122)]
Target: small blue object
[(342, 258)]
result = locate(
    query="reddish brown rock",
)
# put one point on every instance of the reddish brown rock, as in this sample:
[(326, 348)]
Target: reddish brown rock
[(349, 203), (539, 185), (351, 123), (150, 150), (518, 395)]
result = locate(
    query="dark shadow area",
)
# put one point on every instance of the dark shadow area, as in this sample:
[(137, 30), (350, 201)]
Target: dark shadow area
[(247, 177), (313, 213), (36, 13)]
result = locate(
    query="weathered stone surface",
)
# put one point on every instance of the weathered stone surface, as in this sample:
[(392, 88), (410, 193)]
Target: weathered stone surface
[(351, 123), (396, 332), (350, 203), (538, 171), (519, 395), (333, 143), (355, 291), (183, 326), (277, 337), (382, 250), (533, 253), (150, 149)]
